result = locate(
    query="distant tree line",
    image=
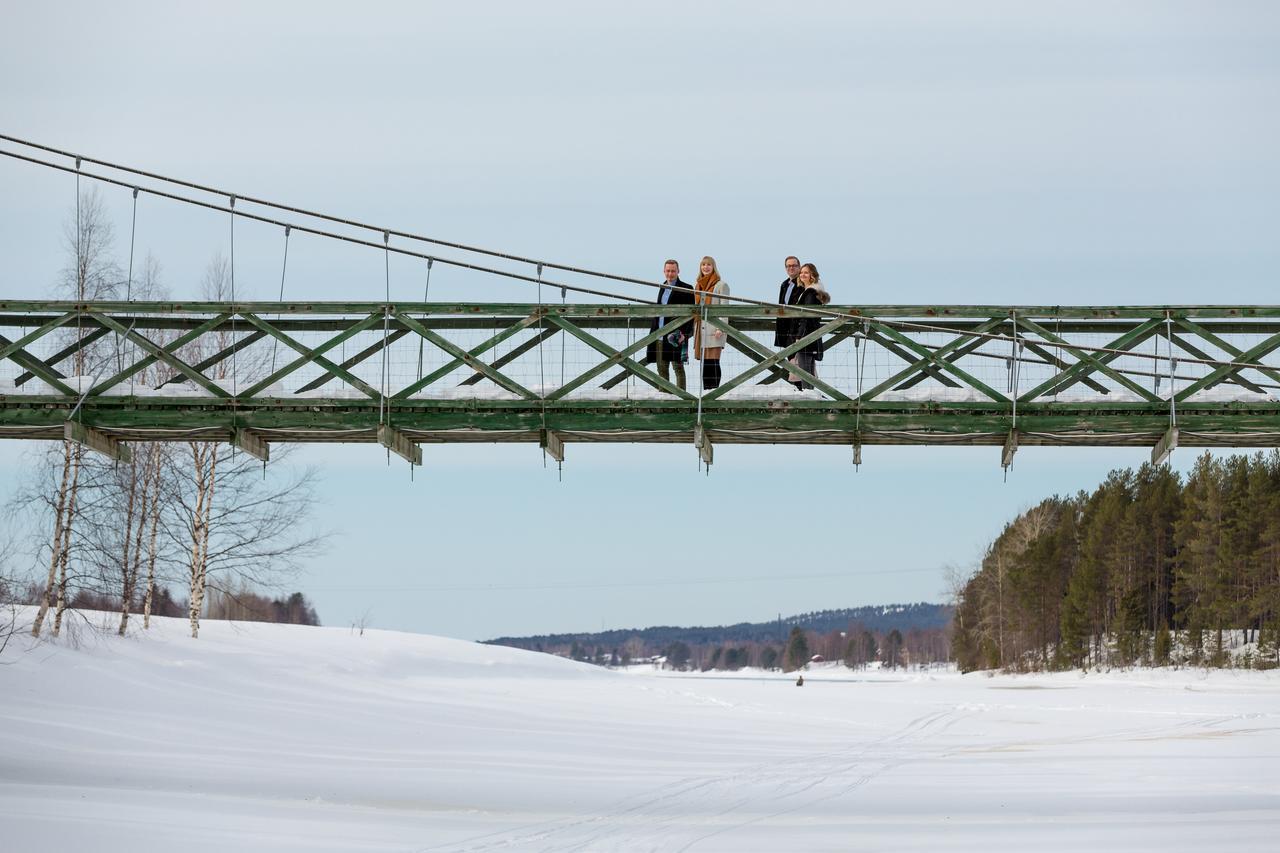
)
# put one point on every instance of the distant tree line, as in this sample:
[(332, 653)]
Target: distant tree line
[(856, 646), (1146, 569), (760, 644), (240, 605)]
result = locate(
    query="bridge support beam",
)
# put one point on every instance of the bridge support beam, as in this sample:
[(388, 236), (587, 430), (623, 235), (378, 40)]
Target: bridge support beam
[(95, 440), (552, 444), (399, 444), (1010, 448), (702, 441), (251, 443), (1164, 447)]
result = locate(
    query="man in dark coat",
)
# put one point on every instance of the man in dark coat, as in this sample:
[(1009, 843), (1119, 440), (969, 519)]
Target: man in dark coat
[(788, 294), (671, 347)]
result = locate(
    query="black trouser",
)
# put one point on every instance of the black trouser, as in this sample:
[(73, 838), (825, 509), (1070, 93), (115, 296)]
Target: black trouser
[(710, 373)]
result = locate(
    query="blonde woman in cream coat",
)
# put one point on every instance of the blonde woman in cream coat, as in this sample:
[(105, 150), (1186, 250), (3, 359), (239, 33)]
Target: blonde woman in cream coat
[(708, 341)]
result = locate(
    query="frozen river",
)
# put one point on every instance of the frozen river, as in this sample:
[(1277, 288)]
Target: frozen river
[(262, 737)]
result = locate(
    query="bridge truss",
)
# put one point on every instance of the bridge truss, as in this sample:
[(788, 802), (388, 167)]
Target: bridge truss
[(408, 374)]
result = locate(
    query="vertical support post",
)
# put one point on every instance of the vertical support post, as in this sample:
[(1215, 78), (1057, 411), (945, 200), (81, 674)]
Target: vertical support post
[(1165, 446), (702, 441), (399, 444), (552, 444), (96, 440), (857, 452), (251, 443), (1010, 448)]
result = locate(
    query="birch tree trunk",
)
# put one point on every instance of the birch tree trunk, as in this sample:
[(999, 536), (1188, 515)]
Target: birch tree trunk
[(77, 453), (126, 588), (59, 519), (206, 460), (151, 550)]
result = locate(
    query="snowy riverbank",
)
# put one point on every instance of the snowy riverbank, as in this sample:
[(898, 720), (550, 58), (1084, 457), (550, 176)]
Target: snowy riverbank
[(266, 737)]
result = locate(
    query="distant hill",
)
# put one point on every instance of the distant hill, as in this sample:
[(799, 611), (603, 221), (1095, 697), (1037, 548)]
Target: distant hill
[(878, 619)]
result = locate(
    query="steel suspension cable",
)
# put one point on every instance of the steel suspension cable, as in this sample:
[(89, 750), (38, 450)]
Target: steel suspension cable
[(128, 290), (234, 387), (386, 324), (1173, 364), (426, 292), (324, 216), (284, 266), (817, 311)]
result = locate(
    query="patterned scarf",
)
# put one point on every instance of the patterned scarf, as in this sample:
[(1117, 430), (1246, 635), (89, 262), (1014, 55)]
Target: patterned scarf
[(706, 284)]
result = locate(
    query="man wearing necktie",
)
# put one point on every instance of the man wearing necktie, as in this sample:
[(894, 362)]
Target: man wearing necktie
[(788, 294), (669, 349)]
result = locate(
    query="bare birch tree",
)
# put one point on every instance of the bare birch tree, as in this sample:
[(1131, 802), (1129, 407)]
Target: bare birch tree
[(92, 274), (238, 520)]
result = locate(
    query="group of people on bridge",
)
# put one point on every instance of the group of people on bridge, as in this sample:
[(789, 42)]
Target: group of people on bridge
[(802, 286)]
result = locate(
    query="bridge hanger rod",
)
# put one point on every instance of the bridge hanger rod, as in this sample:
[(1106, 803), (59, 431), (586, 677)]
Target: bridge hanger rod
[(323, 216), (799, 309), (328, 234)]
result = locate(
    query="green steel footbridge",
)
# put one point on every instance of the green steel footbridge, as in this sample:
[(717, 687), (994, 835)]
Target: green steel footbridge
[(407, 374)]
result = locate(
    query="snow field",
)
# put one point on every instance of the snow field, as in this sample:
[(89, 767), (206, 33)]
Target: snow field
[(267, 737)]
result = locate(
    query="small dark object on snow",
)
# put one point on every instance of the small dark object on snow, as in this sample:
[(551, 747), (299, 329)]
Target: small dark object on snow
[(800, 681)]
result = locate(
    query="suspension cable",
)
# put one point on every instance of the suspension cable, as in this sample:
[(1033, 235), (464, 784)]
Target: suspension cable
[(1173, 396), (284, 266), (817, 311), (386, 323), (1014, 369), (323, 216), (128, 293), (426, 292), (234, 388), (542, 370)]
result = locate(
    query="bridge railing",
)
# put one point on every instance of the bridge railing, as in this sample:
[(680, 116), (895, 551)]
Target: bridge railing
[(522, 367)]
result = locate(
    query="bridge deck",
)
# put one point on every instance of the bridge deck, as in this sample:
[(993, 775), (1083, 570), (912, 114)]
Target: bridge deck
[(325, 372)]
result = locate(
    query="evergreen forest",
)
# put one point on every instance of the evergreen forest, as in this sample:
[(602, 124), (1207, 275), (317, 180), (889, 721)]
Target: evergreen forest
[(1147, 569)]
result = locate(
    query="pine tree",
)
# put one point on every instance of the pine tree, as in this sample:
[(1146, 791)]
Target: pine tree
[(797, 649), (893, 649), (1163, 645)]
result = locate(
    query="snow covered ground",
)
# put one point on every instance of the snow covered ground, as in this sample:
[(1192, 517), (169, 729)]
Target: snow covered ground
[(266, 737)]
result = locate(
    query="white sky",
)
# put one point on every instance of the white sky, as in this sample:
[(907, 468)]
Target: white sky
[(983, 152)]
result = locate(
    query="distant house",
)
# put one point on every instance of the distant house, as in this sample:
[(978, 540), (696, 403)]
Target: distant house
[(817, 659)]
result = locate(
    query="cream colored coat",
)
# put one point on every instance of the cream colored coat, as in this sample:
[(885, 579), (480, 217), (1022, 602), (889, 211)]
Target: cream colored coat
[(709, 337)]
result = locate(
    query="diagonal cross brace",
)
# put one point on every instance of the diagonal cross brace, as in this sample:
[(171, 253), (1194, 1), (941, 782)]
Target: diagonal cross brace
[(516, 351), (38, 367), (1224, 345), (1087, 362), (365, 353), (772, 358), (449, 367), (171, 348), (894, 349), (1195, 352), (60, 355), (162, 354), (1228, 370), (963, 339), (933, 356), (21, 344), (311, 355), (618, 357), (319, 360), (462, 355), (221, 355)]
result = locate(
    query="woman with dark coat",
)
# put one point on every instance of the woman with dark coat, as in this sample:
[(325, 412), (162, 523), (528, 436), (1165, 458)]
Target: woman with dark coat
[(814, 294)]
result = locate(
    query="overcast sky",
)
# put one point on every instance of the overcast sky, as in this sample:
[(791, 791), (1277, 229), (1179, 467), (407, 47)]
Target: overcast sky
[(978, 152)]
